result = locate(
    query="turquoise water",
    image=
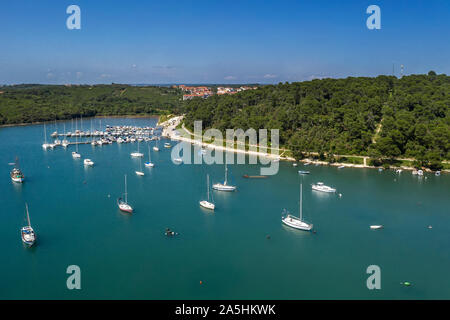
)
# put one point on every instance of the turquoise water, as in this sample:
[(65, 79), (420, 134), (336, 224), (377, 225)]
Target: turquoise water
[(74, 212)]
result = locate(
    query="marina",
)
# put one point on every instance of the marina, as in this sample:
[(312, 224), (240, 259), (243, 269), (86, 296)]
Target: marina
[(77, 213)]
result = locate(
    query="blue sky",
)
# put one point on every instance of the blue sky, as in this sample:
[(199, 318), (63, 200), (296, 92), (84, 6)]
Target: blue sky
[(218, 41)]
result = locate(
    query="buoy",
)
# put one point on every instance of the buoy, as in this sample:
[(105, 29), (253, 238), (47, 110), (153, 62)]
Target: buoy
[(406, 284)]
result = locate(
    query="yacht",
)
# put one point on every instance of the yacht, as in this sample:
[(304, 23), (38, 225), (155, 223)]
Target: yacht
[(297, 222), (123, 205), (140, 172), (156, 148), (149, 164), (45, 145), (207, 203), (27, 232), (303, 172), (167, 145), (319, 186), (137, 154), (376, 226), (16, 174), (88, 162), (75, 154), (224, 186), (437, 173)]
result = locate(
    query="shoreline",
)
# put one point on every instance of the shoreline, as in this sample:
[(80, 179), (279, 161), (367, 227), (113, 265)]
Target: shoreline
[(52, 121), (169, 132)]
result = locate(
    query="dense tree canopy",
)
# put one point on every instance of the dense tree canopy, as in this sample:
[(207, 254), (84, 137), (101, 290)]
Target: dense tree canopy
[(32, 103), (381, 117)]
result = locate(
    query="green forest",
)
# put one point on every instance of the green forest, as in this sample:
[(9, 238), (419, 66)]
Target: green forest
[(383, 117), (34, 103)]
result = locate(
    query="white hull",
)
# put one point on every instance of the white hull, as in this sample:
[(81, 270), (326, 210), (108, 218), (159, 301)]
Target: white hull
[(155, 148), (321, 187), (375, 227), (88, 162), (222, 187), (137, 155), (296, 223), (207, 205), (125, 208), (140, 173), (149, 165), (18, 180), (76, 155)]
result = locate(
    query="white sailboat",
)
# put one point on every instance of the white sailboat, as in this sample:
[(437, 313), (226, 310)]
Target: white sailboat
[(140, 172), (45, 145), (207, 203), (137, 154), (27, 232), (149, 164), (224, 186), (123, 205), (65, 142), (156, 148), (75, 154), (297, 222)]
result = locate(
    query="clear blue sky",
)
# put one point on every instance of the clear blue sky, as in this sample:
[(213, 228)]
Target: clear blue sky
[(180, 41)]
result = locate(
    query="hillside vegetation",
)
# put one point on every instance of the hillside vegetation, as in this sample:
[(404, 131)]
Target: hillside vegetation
[(33, 103), (341, 116)]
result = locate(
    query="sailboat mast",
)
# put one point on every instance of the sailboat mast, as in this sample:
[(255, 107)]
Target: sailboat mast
[(45, 134), (301, 202), (207, 185), (126, 194), (28, 215), (226, 174)]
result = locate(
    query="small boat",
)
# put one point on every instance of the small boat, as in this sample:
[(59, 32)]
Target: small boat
[(414, 172), (207, 203), (137, 154), (177, 160), (88, 162), (303, 172), (294, 164), (27, 232), (319, 186), (167, 145), (306, 164), (437, 173), (140, 172), (16, 174), (149, 164), (224, 186), (376, 226), (123, 205), (341, 167), (380, 169), (45, 145), (398, 171), (420, 172), (297, 222), (254, 177), (75, 154)]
